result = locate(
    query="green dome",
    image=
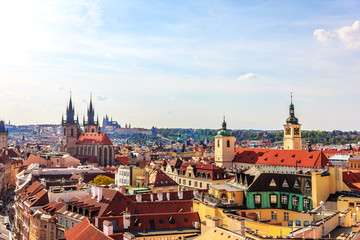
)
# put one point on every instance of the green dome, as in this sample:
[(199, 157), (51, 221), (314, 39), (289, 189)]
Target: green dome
[(179, 139), (224, 132)]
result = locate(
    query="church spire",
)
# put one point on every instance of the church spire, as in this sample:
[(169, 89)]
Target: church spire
[(70, 112), (292, 119), (91, 112)]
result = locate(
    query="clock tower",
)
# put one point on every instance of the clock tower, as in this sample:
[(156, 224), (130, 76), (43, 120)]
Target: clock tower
[(292, 131)]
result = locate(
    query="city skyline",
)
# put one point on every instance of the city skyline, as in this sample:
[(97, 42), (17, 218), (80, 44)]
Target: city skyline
[(182, 64)]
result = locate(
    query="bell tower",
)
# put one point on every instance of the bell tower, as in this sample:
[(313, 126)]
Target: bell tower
[(292, 130), (71, 130), (224, 147)]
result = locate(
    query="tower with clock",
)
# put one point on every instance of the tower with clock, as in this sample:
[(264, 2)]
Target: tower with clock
[(292, 131)]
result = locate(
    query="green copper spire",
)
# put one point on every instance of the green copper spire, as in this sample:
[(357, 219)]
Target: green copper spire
[(292, 119), (224, 131)]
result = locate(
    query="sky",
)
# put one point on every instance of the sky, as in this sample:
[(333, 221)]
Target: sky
[(182, 64)]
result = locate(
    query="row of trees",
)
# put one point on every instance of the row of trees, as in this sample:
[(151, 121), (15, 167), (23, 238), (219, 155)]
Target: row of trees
[(335, 137)]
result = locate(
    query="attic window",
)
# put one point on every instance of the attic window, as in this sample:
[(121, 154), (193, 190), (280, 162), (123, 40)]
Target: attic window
[(272, 183), (186, 220), (285, 183), (307, 186), (265, 159), (293, 155), (282, 160), (311, 156), (137, 222), (296, 185), (276, 155), (161, 220), (171, 220)]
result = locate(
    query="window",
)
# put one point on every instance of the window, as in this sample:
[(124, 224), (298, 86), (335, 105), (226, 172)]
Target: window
[(351, 204), (207, 186), (200, 184), (186, 220), (284, 199), (286, 216), (285, 183), (273, 198), (195, 184), (257, 199), (307, 186), (228, 143), (179, 181), (296, 185), (272, 183), (72, 132), (189, 174), (294, 201), (189, 183), (306, 203), (218, 142), (273, 215), (161, 220), (184, 182)]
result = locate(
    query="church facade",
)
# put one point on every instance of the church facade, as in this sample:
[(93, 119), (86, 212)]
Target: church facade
[(92, 142)]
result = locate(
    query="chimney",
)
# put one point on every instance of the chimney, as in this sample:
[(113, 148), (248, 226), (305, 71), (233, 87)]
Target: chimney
[(180, 195), (152, 197), (168, 196), (108, 228), (160, 197), (126, 219), (99, 197), (93, 191), (138, 197), (309, 146)]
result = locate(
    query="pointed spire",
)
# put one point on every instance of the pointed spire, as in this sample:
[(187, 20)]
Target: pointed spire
[(77, 119), (70, 112), (62, 118), (292, 119), (91, 113), (84, 120)]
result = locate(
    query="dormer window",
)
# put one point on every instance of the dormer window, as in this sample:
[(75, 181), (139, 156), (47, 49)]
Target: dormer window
[(285, 184), (272, 183), (307, 186), (296, 185)]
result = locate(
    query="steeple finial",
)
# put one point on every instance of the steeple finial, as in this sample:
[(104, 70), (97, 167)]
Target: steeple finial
[(292, 119), (70, 112), (224, 123), (291, 96)]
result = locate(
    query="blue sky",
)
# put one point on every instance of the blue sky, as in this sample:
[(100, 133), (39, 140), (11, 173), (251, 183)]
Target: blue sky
[(182, 63)]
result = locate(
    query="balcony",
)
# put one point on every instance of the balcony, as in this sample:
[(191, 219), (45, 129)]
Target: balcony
[(216, 202)]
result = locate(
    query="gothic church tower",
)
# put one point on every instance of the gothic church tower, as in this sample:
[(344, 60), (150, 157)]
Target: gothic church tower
[(3, 135), (71, 130), (292, 131)]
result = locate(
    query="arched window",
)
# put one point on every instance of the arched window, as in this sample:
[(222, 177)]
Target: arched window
[(72, 132), (64, 131), (105, 156), (218, 143), (228, 143)]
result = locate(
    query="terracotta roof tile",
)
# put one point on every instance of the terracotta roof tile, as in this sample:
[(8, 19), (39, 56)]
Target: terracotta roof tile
[(85, 231), (94, 138)]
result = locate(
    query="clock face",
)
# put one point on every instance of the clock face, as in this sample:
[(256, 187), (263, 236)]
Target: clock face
[(296, 131), (288, 131)]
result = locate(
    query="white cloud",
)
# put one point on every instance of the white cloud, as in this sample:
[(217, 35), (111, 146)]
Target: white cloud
[(100, 98), (247, 76), (350, 35)]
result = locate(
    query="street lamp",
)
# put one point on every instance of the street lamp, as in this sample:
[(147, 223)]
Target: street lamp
[(323, 221)]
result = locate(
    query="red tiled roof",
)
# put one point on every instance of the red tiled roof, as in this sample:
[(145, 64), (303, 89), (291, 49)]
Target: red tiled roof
[(52, 207), (162, 221), (300, 158), (122, 159), (94, 138), (35, 195), (85, 231), (351, 179), (163, 180), (248, 155)]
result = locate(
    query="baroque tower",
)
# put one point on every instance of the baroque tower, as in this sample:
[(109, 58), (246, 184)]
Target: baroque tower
[(292, 131), (91, 125), (71, 130), (224, 147), (3, 135)]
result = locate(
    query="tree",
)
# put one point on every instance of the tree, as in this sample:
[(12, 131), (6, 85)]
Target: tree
[(102, 180)]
